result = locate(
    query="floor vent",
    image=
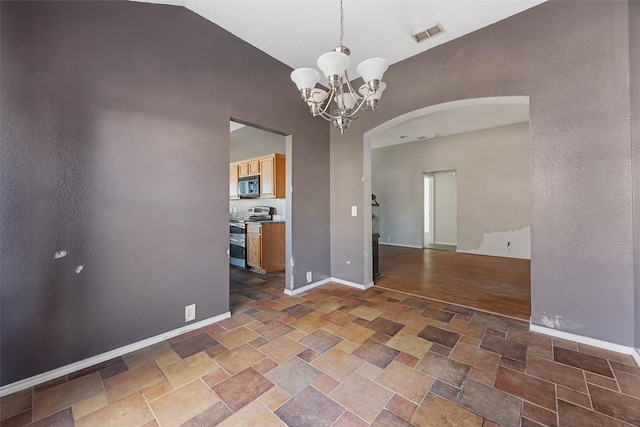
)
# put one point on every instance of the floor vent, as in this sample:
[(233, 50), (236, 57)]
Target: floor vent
[(428, 33)]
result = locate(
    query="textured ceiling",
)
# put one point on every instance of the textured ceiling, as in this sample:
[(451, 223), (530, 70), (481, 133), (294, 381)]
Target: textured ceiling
[(465, 117), (297, 32)]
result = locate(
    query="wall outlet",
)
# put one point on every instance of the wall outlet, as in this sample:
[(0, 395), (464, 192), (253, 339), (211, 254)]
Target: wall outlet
[(388, 238), (309, 277), (190, 313), (354, 211)]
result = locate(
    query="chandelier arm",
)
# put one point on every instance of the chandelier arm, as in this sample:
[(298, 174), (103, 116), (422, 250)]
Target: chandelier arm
[(360, 104), (342, 110), (351, 87), (364, 110), (325, 115), (328, 116), (329, 98)]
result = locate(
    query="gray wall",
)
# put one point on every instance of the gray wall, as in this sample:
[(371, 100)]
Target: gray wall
[(445, 209), (115, 148), (493, 187), (248, 142), (581, 194), (634, 49)]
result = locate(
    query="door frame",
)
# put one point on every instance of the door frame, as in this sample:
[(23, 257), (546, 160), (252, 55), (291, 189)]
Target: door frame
[(427, 180)]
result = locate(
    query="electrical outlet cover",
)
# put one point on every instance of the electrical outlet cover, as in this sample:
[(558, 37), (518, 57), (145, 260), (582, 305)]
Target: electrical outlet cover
[(190, 313), (309, 277)]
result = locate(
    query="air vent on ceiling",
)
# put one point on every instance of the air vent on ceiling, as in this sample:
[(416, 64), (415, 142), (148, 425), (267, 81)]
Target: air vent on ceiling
[(428, 33)]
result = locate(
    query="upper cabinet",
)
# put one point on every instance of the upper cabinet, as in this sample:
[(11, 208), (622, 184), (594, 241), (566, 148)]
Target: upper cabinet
[(272, 171), (272, 176), (233, 181), (249, 168)]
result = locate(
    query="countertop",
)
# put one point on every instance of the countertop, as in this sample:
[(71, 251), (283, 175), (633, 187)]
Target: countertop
[(266, 221)]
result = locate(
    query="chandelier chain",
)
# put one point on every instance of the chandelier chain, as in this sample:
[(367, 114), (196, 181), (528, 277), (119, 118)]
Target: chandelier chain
[(351, 103), (341, 23)]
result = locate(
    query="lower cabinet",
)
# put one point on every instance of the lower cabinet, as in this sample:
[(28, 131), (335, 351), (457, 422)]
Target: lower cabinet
[(265, 247)]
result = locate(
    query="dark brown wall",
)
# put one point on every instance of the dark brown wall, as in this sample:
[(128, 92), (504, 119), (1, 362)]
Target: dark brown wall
[(115, 148), (581, 193)]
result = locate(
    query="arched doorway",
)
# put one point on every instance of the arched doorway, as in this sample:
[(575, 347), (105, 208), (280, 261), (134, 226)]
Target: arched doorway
[(483, 144)]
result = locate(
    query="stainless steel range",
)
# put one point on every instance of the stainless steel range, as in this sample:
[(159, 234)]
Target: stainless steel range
[(238, 232)]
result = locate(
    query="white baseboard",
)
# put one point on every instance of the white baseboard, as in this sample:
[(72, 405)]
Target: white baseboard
[(498, 255), (86, 363), (636, 355), (305, 288), (398, 244), (352, 284), (292, 292), (586, 340)]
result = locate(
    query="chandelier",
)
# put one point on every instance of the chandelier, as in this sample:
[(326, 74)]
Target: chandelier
[(349, 104)]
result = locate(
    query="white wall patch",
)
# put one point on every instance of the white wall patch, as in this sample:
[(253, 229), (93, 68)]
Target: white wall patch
[(555, 321), (511, 244)]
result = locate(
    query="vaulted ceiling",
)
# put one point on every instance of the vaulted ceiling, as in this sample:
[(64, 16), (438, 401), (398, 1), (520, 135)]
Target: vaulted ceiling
[(296, 32)]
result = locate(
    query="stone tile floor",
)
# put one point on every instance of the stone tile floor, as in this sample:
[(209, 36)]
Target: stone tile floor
[(338, 356)]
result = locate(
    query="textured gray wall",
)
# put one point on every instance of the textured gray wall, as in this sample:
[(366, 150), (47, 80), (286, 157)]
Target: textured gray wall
[(634, 67), (115, 148), (492, 184), (581, 194), (248, 142)]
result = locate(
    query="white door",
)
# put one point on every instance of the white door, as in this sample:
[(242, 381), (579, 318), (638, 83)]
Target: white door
[(428, 210)]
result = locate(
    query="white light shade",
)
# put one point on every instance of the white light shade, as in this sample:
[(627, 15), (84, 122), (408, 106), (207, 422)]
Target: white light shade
[(372, 69), (346, 99), (333, 63), (317, 95), (364, 90), (305, 78)]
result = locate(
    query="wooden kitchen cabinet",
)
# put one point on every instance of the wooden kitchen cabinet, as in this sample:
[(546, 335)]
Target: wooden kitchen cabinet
[(272, 176), (254, 246), (233, 181), (271, 169), (249, 168), (265, 247)]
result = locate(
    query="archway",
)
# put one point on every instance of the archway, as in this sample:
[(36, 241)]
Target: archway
[(486, 142)]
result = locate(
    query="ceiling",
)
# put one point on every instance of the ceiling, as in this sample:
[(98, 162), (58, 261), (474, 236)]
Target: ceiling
[(468, 116), (296, 32)]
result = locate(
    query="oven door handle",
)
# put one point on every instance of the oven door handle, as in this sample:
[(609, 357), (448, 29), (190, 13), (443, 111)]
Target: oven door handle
[(238, 240)]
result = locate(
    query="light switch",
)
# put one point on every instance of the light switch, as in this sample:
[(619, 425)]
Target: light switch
[(354, 211)]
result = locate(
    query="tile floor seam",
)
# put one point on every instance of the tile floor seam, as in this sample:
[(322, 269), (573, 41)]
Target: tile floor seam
[(155, 418), (340, 416), (384, 406), (450, 392)]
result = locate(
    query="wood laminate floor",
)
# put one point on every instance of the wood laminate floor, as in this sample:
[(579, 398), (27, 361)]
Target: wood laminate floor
[(492, 284)]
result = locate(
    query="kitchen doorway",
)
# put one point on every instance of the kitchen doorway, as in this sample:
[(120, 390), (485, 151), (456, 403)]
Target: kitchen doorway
[(258, 211), (440, 210)]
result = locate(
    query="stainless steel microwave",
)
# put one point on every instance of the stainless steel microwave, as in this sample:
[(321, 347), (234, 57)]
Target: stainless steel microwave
[(249, 186)]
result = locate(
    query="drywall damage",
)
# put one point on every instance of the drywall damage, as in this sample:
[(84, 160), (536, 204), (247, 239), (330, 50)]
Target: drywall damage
[(511, 244), (555, 321)]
